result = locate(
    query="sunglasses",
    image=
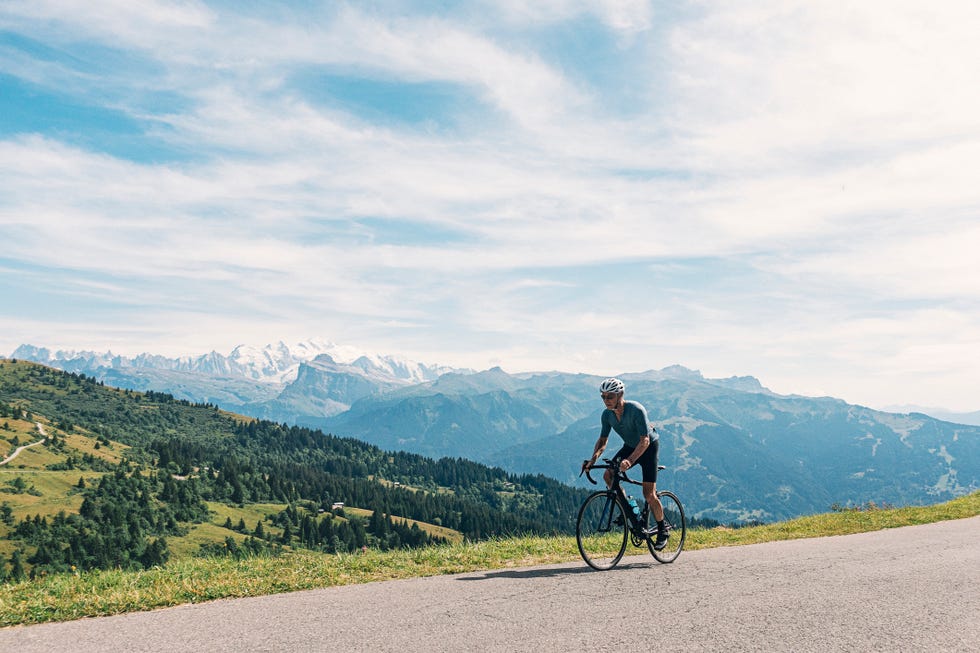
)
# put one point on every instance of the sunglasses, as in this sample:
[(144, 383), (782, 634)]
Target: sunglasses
[(610, 395)]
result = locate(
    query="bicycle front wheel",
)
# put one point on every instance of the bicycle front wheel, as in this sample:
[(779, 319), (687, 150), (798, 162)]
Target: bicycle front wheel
[(676, 528), (601, 530)]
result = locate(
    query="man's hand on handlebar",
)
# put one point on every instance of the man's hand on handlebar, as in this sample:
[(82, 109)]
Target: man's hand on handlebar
[(586, 466)]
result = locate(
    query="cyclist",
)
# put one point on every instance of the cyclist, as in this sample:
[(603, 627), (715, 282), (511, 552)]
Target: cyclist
[(640, 445)]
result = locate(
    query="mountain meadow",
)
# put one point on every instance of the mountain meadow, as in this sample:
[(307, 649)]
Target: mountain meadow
[(113, 500)]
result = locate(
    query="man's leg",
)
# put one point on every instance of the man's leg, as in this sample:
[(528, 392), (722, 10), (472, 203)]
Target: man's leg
[(650, 494), (607, 477)]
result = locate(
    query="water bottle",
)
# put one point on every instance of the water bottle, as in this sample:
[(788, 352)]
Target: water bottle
[(633, 505)]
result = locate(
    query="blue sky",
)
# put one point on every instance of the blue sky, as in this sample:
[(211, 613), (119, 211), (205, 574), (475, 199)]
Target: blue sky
[(781, 189)]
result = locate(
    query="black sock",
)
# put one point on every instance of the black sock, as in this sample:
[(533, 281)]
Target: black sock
[(660, 526)]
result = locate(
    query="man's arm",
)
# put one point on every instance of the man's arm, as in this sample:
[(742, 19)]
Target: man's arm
[(637, 452), (600, 446)]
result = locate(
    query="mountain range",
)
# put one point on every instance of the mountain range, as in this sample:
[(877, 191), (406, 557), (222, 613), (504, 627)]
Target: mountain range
[(735, 451), (256, 381)]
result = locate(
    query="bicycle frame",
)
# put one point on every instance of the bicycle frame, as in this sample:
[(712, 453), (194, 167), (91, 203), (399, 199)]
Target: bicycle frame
[(604, 508), (620, 477)]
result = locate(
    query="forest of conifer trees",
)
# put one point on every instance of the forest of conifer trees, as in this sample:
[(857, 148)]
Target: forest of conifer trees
[(182, 455)]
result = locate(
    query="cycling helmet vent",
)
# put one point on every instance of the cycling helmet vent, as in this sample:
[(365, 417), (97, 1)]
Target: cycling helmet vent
[(612, 385)]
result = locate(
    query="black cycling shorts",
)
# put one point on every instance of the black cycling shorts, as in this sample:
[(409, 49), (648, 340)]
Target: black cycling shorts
[(648, 461)]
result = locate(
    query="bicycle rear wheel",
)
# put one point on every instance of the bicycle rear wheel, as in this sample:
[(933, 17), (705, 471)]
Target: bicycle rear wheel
[(676, 528), (601, 530)]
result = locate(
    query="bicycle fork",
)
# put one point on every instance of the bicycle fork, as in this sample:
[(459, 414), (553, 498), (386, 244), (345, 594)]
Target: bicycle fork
[(605, 519)]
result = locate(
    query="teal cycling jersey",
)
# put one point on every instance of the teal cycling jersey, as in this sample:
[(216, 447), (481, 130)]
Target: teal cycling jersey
[(632, 427)]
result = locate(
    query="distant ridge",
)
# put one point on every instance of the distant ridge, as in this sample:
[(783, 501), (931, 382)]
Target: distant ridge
[(972, 418), (735, 449)]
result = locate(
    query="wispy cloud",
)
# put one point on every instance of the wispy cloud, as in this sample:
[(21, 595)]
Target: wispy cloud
[(783, 189)]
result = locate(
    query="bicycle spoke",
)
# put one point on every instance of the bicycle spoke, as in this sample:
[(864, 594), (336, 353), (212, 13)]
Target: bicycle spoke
[(601, 531), (676, 528)]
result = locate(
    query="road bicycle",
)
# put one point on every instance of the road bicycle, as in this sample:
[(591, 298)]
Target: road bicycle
[(606, 521)]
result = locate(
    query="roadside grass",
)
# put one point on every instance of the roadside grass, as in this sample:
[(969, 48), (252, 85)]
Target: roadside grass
[(846, 522), (65, 597)]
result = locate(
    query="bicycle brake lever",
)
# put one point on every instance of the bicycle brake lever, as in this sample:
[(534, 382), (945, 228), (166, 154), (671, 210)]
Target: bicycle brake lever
[(588, 475)]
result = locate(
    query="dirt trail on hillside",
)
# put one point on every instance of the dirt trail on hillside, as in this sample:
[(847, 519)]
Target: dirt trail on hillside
[(44, 438)]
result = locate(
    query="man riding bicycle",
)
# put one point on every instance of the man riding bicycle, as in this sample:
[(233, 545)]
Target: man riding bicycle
[(641, 446)]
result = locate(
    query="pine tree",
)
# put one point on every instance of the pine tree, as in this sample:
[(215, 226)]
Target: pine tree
[(237, 492), (17, 572)]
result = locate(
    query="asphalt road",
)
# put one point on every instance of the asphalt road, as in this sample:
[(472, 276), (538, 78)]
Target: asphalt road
[(907, 589)]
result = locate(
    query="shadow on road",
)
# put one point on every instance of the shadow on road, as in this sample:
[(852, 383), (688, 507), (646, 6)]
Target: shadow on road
[(555, 571)]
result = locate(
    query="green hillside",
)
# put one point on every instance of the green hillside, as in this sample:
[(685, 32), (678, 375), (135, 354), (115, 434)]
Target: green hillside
[(123, 479)]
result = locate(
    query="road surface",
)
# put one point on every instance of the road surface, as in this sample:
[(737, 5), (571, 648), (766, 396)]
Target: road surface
[(907, 589)]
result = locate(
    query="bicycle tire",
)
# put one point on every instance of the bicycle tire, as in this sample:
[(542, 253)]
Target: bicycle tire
[(601, 530), (676, 528)]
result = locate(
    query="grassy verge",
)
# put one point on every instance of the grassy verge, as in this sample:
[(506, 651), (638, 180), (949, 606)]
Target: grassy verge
[(72, 596)]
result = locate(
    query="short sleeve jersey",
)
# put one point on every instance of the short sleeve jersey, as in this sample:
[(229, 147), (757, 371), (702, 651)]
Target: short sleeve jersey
[(632, 427)]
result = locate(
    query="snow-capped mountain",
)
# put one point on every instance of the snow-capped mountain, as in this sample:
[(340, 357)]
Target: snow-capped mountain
[(274, 363), (278, 381)]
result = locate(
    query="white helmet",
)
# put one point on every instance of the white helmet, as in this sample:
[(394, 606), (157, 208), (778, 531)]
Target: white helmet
[(612, 385)]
